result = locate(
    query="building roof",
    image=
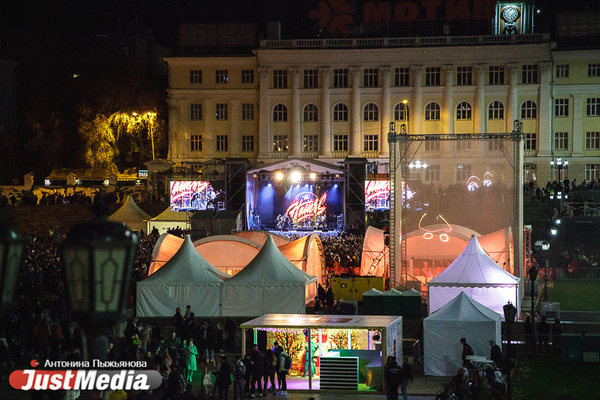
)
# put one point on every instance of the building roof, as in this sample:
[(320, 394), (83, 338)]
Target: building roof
[(302, 321)]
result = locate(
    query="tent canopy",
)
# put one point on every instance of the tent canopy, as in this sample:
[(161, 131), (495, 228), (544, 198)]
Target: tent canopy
[(168, 220), (372, 261), (166, 246), (131, 215), (307, 254)]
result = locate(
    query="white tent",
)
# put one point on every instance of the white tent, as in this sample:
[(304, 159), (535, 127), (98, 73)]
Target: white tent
[(442, 331), (373, 257), (269, 284), (186, 279), (476, 274), (131, 215), (169, 220)]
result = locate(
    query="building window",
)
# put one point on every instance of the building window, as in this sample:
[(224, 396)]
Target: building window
[(529, 110), (371, 112), (464, 144), (496, 74), (496, 110), (222, 142), (340, 142), (247, 76), (222, 76), (222, 112), (280, 79), (247, 112), (463, 173), (593, 70), (561, 107), (562, 70), (371, 142), (432, 173), (371, 77), (340, 78), (247, 142), (340, 112), (432, 112), (593, 107), (531, 141), (493, 145), (592, 140), (311, 113), (464, 76), (311, 143), (432, 145), (592, 172), (529, 73), (311, 78), (280, 143), (561, 140), (401, 77), (279, 113), (433, 76), (195, 76), (196, 112), (401, 112), (463, 110), (196, 143)]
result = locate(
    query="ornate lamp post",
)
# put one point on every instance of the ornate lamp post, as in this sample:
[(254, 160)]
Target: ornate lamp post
[(510, 312), (12, 248)]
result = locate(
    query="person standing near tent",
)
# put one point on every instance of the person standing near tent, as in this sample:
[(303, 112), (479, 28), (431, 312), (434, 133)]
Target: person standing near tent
[(392, 374), (495, 353), (407, 376), (467, 351), (189, 360)]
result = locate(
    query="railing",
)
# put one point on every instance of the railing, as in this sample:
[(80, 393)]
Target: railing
[(339, 154), (370, 154), (585, 208)]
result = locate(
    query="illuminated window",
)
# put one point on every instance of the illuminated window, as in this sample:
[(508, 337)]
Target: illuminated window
[(561, 107), (463, 110), (562, 71), (222, 114), (195, 76), (371, 142), (311, 113), (196, 112), (247, 112), (432, 173), (593, 107), (340, 112), (222, 142), (222, 76), (464, 76), (247, 142), (531, 141), (561, 140), (401, 112), (340, 142), (496, 110), (592, 172), (311, 78), (401, 76), (496, 75), (280, 77), (433, 76), (279, 113), (196, 143), (529, 73), (371, 77), (593, 70), (432, 112), (310, 143), (592, 140), (463, 173), (529, 110), (371, 112), (247, 76), (280, 143), (340, 78)]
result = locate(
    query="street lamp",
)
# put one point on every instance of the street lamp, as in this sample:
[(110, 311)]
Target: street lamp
[(12, 247), (510, 312)]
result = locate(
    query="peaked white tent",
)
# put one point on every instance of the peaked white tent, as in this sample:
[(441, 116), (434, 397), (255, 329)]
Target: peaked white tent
[(186, 279), (442, 331), (131, 215), (476, 274), (269, 284), (168, 220)]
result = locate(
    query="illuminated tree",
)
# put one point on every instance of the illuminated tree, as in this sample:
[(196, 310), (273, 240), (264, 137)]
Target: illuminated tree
[(339, 338), (289, 341)]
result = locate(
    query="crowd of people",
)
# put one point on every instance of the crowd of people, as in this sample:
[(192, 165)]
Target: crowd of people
[(342, 253)]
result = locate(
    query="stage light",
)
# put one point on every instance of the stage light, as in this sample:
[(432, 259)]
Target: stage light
[(279, 176), (404, 101), (337, 175), (295, 177), (306, 185), (313, 176), (270, 185), (255, 175), (335, 185)]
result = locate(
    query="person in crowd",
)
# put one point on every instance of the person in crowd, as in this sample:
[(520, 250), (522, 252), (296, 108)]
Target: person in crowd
[(464, 390), (529, 335), (239, 374), (495, 353), (189, 360), (543, 331), (173, 346), (392, 376), (257, 370), (223, 381), (231, 330), (467, 350), (177, 319), (270, 363), (557, 331), (285, 363), (187, 395), (407, 376), (188, 312)]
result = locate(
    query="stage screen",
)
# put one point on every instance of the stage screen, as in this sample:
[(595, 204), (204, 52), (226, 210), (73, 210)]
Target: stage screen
[(194, 196), (377, 195)]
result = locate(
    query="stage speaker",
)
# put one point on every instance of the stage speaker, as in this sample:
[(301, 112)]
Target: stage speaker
[(235, 183), (355, 193)]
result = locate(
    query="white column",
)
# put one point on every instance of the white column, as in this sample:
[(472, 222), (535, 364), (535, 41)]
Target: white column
[(512, 112), (325, 113), (174, 123), (578, 134), (209, 139), (181, 139), (448, 100), (264, 117), (480, 111), (235, 136), (416, 108), (545, 110), (355, 113), (296, 131), (385, 110)]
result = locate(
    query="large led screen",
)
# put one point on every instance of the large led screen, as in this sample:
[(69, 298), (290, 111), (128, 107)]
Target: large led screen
[(377, 195), (193, 196)]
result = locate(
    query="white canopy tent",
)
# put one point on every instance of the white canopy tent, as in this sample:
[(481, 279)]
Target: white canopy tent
[(476, 274), (186, 279), (269, 284), (131, 215), (442, 331), (169, 220)]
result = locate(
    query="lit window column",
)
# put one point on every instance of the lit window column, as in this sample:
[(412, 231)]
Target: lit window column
[(577, 125), (447, 100), (511, 97), (416, 108), (208, 138), (480, 109), (545, 107), (355, 126), (235, 139), (385, 110), (295, 142), (265, 143), (325, 113)]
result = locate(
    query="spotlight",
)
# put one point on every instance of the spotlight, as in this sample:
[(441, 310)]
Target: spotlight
[(296, 176), (313, 176), (255, 176), (335, 185), (553, 231), (270, 185), (279, 176), (306, 185)]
